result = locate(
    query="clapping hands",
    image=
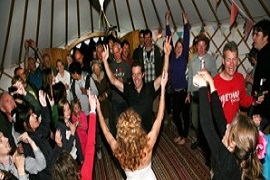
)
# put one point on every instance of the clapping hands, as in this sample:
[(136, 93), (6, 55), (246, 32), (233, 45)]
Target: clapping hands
[(199, 81)]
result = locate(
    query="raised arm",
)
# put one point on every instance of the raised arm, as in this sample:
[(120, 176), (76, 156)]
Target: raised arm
[(114, 81), (108, 135), (33, 45), (167, 51), (88, 165), (168, 30), (218, 112), (39, 160), (186, 37), (153, 134)]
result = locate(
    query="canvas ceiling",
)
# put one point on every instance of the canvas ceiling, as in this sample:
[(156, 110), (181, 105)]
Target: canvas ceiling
[(56, 23)]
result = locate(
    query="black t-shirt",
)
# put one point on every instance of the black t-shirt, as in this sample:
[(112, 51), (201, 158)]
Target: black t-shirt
[(141, 102)]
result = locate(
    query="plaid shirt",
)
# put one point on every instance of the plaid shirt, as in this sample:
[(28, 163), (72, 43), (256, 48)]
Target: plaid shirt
[(149, 65)]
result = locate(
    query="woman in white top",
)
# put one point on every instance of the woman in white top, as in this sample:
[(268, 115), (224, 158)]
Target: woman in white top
[(63, 76)]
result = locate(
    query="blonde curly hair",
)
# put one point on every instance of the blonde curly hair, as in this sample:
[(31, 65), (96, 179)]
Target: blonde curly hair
[(131, 140)]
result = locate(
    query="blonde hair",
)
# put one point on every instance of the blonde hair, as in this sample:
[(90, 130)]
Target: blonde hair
[(131, 140), (245, 134)]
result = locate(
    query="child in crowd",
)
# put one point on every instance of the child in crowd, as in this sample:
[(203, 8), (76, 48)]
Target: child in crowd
[(66, 167), (80, 120), (70, 139)]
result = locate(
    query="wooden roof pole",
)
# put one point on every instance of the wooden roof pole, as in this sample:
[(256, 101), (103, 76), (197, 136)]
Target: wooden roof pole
[(23, 31), (116, 15), (52, 18), (66, 21), (214, 12), (266, 9), (169, 8), (198, 12), (157, 15), (146, 25), (216, 30), (91, 17), (130, 15), (183, 10), (78, 18), (38, 20), (246, 10), (7, 35)]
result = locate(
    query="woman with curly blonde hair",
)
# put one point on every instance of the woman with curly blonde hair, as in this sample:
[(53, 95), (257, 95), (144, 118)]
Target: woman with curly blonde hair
[(133, 146)]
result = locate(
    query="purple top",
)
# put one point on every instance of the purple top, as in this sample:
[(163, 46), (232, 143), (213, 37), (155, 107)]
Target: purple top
[(178, 65)]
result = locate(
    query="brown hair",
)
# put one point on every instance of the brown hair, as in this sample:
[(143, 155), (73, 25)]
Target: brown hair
[(65, 167), (245, 134), (131, 140)]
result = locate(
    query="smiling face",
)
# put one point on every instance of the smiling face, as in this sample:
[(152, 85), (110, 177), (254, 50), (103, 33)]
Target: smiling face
[(4, 145), (230, 63), (99, 50), (34, 121), (137, 77), (67, 111), (148, 40), (60, 67), (125, 51), (8, 103), (96, 69), (178, 49), (117, 51), (201, 48), (76, 109)]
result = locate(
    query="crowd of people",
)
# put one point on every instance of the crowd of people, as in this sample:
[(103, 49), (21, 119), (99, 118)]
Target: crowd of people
[(48, 123)]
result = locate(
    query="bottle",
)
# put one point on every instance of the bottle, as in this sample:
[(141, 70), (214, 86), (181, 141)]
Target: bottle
[(260, 91), (203, 64)]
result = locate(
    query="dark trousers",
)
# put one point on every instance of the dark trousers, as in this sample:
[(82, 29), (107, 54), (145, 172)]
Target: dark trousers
[(179, 106)]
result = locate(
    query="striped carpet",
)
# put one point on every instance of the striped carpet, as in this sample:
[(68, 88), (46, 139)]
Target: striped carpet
[(170, 161)]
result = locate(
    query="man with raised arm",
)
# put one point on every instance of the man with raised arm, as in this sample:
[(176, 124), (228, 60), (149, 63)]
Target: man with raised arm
[(139, 95)]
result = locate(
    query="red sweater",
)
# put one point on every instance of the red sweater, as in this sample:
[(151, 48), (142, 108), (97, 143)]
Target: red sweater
[(232, 95), (88, 164), (81, 129)]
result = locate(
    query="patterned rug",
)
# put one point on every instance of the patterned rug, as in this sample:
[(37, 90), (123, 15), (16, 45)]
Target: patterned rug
[(170, 161)]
